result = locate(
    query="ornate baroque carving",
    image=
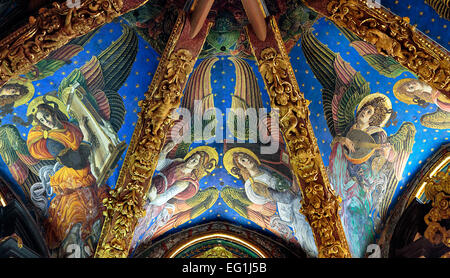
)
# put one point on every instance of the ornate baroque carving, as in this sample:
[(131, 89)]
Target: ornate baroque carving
[(50, 29), (125, 206), (320, 205), (393, 35), (437, 190)]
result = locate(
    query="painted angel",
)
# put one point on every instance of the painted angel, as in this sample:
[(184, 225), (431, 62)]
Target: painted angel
[(174, 196), (268, 198), (385, 65), (91, 96), (366, 164)]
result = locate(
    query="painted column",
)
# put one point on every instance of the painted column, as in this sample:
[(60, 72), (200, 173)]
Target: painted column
[(320, 204), (125, 206)]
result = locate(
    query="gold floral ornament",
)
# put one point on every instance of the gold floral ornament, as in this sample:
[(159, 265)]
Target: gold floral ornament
[(394, 36), (49, 30), (437, 190)]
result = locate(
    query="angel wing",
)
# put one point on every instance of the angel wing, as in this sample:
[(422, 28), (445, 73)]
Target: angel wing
[(385, 65), (103, 76), (343, 87), (198, 96), (438, 119), (246, 96), (91, 96), (402, 143), (190, 209), (14, 152), (58, 58), (239, 202)]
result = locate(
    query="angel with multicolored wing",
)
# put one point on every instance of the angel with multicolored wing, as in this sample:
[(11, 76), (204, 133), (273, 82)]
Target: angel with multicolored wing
[(91, 96), (174, 196), (366, 164), (23, 167), (59, 58), (245, 103), (268, 198), (385, 65)]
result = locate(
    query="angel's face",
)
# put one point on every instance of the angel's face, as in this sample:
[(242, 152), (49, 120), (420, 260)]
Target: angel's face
[(9, 92), (46, 119), (245, 161), (365, 115), (193, 161), (411, 87)]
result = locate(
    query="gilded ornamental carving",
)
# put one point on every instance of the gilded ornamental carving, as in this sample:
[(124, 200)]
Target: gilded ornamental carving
[(319, 204)]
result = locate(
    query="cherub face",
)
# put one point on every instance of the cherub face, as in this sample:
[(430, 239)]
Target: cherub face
[(46, 119), (365, 115)]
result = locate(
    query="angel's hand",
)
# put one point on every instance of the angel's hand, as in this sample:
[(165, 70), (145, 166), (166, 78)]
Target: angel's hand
[(347, 143)]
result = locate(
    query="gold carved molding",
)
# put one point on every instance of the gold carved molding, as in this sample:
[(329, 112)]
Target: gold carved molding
[(320, 205), (125, 205), (394, 36), (49, 30)]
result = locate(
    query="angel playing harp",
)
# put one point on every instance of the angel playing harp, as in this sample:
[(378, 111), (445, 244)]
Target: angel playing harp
[(268, 198), (365, 164), (174, 196)]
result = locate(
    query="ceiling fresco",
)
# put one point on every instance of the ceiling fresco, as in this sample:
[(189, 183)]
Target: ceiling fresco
[(217, 164)]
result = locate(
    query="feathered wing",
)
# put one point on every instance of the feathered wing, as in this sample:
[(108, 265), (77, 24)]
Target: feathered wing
[(246, 96), (402, 143), (190, 209), (60, 57), (104, 75), (385, 65), (14, 152), (343, 87), (237, 200), (198, 96), (438, 119)]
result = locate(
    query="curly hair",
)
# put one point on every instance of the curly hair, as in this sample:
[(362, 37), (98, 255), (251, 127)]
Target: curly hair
[(380, 111), (8, 99)]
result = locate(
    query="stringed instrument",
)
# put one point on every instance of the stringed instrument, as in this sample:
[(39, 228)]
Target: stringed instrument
[(364, 145)]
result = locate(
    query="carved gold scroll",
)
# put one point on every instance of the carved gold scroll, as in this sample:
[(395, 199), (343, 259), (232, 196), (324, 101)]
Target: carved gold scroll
[(392, 35), (125, 206), (49, 30), (320, 205)]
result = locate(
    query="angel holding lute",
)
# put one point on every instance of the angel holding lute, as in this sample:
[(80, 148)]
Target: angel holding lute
[(366, 164)]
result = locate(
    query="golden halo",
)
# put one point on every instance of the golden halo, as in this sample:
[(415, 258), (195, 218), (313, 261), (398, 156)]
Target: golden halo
[(24, 82), (387, 103), (32, 107), (228, 159), (402, 97), (212, 153)]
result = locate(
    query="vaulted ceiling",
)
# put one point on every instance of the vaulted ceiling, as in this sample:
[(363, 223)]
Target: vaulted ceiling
[(97, 81)]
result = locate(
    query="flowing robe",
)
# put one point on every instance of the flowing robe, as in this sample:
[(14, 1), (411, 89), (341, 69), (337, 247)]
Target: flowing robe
[(77, 199)]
